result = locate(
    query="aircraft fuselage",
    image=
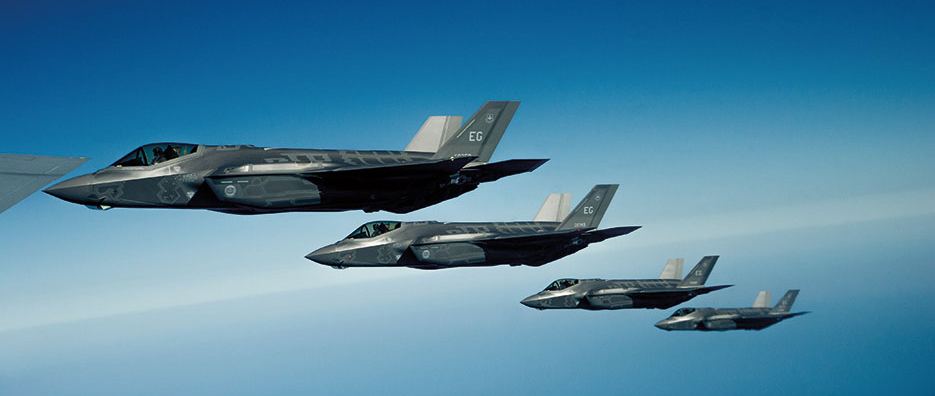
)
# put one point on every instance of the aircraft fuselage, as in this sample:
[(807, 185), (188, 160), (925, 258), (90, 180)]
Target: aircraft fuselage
[(436, 245), (252, 180)]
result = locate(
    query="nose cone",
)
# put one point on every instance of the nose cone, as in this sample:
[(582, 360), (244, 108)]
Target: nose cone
[(532, 301), (327, 255), (664, 324), (76, 190)]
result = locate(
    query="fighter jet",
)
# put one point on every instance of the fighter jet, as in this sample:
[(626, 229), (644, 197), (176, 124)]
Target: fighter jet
[(22, 175), (435, 245), (599, 294), (711, 319), (256, 180)]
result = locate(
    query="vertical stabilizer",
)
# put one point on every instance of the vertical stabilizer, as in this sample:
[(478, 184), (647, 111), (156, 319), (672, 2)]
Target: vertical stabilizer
[(435, 131), (555, 208), (481, 133), (785, 304), (699, 275), (762, 300), (590, 210), (673, 269)]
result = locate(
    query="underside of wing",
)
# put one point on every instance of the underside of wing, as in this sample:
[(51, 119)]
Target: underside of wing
[(622, 298), (756, 322), (22, 175), (529, 239), (384, 171)]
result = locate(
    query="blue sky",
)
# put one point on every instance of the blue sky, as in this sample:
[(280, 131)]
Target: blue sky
[(792, 139)]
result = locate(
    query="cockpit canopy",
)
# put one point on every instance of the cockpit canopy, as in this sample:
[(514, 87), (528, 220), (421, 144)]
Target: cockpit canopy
[(373, 229), (683, 312), (152, 154), (562, 284)]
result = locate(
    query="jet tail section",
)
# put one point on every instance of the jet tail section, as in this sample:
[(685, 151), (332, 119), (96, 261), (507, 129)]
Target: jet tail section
[(481, 134), (762, 300), (555, 208), (673, 269), (699, 275), (785, 304), (590, 210), (436, 131)]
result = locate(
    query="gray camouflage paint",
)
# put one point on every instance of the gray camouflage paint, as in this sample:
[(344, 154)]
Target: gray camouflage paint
[(601, 294), (245, 179), (436, 245), (722, 319)]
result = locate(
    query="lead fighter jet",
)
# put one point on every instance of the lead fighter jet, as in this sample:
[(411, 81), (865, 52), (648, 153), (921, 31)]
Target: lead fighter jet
[(598, 294), (435, 245), (255, 180), (759, 317)]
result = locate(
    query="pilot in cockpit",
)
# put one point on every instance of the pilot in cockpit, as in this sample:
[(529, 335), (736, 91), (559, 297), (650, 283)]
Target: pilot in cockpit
[(380, 229), (158, 155), (170, 152)]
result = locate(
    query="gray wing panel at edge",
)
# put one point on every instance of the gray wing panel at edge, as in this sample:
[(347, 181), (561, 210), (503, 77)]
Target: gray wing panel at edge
[(22, 175)]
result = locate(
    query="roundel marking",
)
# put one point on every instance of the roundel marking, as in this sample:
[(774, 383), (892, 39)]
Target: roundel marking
[(230, 191)]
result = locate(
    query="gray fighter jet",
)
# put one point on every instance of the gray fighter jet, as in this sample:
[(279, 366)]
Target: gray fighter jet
[(435, 245), (599, 294), (759, 317), (255, 180)]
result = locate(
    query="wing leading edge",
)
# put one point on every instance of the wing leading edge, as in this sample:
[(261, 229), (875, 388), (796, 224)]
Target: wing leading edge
[(22, 175)]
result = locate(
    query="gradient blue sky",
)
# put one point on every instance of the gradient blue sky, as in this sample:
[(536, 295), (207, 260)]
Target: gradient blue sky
[(793, 139)]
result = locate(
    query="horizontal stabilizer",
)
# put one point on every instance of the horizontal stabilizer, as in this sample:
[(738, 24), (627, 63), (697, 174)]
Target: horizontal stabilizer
[(673, 269), (762, 300), (709, 289), (555, 208), (435, 131), (600, 235), (495, 170)]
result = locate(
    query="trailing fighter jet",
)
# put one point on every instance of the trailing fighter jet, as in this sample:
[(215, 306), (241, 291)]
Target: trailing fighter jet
[(598, 294), (22, 175), (256, 180), (759, 317), (435, 245)]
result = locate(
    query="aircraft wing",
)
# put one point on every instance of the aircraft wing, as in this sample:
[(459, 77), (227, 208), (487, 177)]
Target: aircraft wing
[(529, 239), (433, 167), (22, 175), (661, 293), (453, 251), (549, 237), (360, 172)]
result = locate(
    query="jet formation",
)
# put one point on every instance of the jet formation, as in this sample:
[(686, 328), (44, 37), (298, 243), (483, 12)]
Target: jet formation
[(437, 245), (245, 179), (759, 317), (598, 294), (444, 160)]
